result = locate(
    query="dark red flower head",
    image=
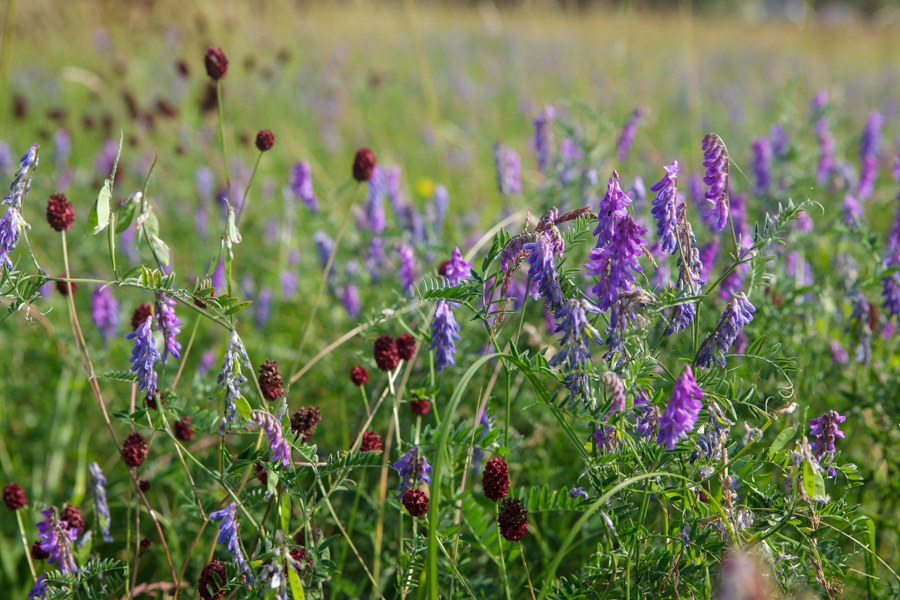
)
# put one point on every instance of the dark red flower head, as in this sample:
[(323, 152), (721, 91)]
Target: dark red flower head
[(73, 517), (271, 381), (141, 312), (299, 554), (359, 376), (513, 519), (183, 429), (420, 406), (304, 421), (406, 346), (363, 165), (416, 502), (63, 286), (265, 139), (14, 496), (387, 356), (442, 268), (134, 450), (37, 553), (371, 442), (60, 214), (144, 485), (145, 543), (495, 479), (216, 63), (208, 582)]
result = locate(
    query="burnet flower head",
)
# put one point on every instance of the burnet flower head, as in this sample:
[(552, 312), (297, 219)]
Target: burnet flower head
[(278, 444), (228, 534), (736, 315), (682, 412), (12, 221), (574, 355), (143, 356), (168, 324), (100, 503), (230, 378), (413, 470)]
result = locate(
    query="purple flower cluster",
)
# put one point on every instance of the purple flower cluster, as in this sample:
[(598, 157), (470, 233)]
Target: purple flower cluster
[(891, 283), (12, 221), (105, 312), (543, 139), (457, 268), (825, 429), (647, 422), (716, 161), (628, 131), (574, 355), (762, 164), (509, 170), (852, 210), (373, 206), (324, 247), (736, 315), (613, 208), (351, 301), (682, 412), (407, 270), (826, 151), (228, 534), (444, 330), (278, 444), (413, 470), (664, 208), (143, 356), (100, 504), (779, 140), (56, 540), (542, 270), (301, 185), (168, 325), (616, 263), (230, 378), (616, 389)]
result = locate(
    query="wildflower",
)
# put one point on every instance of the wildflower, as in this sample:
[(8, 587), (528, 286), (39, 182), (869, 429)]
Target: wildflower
[(871, 136), (301, 185), (574, 355), (616, 263), (350, 300), (495, 479), (682, 412), (437, 209), (277, 442), (363, 165), (612, 209), (605, 439), (394, 193), (371, 442), (63, 287), (578, 492), (542, 270), (304, 421), (265, 140), (686, 534), (134, 450), (263, 307), (144, 485), (512, 520), (826, 151), (508, 167), (542, 136), (868, 176), (9, 235), (40, 587), (416, 502), (628, 132), (689, 275), (374, 217), (825, 429), (386, 354), (37, 553), (56, 538), (736, 315), (73, 518), (753, 434), (444, 330), (168, 325), (420, 406), (413, 470), (183, 430), (779, 140), (143, 356), (762, 159), (359, 376), (216, 63), (228, 534), (457, 269), (407, 270), (716, 161), (270, 380), (60, 214), (647, 424), (14, 496), (105, 311), (22, 180), (230, 378), (616, 391), (207, 586), (664, 207), (206, 362), (707, 256)]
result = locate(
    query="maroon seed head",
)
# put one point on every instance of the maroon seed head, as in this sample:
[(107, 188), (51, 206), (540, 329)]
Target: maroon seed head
[(271, 381), (420, 406), (14, 496), (387, 356), (371, 442), (495, 479), (406, 346), (363, 165), (513, 519), (63, 286), (37, 553), (416, 502), (144, 485), (183, 429), (60, 214), (265, 139), (73, 517), (304, 421), (141, 312), (134, 450), (359, 376), (207, 582), (216, 63)]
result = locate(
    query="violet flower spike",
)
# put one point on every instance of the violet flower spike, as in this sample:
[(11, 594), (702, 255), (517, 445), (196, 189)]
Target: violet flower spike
[(168, 324), (682, 412), (40, 588), (736, 315), (458, 269), (647, 422), (407, 270), (375, 219), (871, 136), (56, 540), (302, 187), (230, 378), (716, 161), (105, 312), (278, 444), (413, 470), (825, 429), (543, 140), (143, 356), (12, 221), (444, 330), (612, 209), (324, 246), (228, 534), (542, 269), (617, 263), (762, 164), (350, 300), (616, 391), (100, 504), (509, 167), (628, 131), (826, 151), (574, 355), (664, 207)]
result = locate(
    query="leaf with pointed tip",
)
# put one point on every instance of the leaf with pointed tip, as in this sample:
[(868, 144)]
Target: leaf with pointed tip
[(98, 219)]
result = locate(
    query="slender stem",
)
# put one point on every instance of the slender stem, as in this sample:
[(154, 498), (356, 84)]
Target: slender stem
[(502, 558), (525, 564), (247, 189), (222, 137), (25, 544)]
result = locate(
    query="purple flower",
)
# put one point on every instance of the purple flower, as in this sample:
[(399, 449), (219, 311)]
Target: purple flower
[(56, 540), (40, 588), (664, 208), (106, 158), (407, 270), (708, 253), (230, 378), (628, 132), (779, 140), (852, 211), (324, 247), (736, 315), (278, 444), (413, 470), (350, 300), (639, 194), (444, 330), (647, 423), (206, 362), (803, 222), (574, 355), (301, 185), (682, 412), (695, 189), (263, 307), (612, 209), (100, 504), (762, 164), (542, 136), (395, 195), (819, 101), (868, 176), (571, 155), (289, 281), (9, 235), (616, 391), (62, 146), (616, 263), (715, 159), (12, 220), (542, 269), (871, 136), (826, 151), (437, 210), (206, 180), (168, 324), (605, 439), (228, 534), (105, 311), (838, 354), (510, 254), (375, 258), (457, 269), (578, 492), (143, 356), (825, 429), (509, 167), (375, 219)]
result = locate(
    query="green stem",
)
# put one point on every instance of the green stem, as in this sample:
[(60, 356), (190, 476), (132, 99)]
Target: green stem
[(222, 137), (25, 544), (503, 574), (247, 189)]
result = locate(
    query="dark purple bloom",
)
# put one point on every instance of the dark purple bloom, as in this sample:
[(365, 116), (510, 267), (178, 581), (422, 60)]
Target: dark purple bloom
[(413, 470), (852, 211), (350, 300), (574, 355), (664, 208), (762, 164), (168, 324), (301, 185), (615, 264), (56, 540), (578, 492), (605, 439), (143, 356), (647, 423), (375, 219), (105, 311), (779, 140), (542, 269), (868, 176), (509, 167), (871, 136), (716, 161), (826, 151), (278, 444), (825, 429), (542, 136), (628, 132), (457, 268), (444, 330), (9, 235), (101, 506), (324, 247), (12, 221), (682, 412), (612, 209), (230, 378), (737, 314), (407, 270), (228, 534), (40, 588)]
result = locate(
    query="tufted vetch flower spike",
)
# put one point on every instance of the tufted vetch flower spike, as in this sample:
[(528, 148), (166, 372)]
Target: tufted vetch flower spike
[(278, 444), (664, 208), (737, 314), (168, 324), (143, 356), (716, 161), (616, 263), (444, 332), (413, 470), (229, 535), (98, 481), (682, 411)]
